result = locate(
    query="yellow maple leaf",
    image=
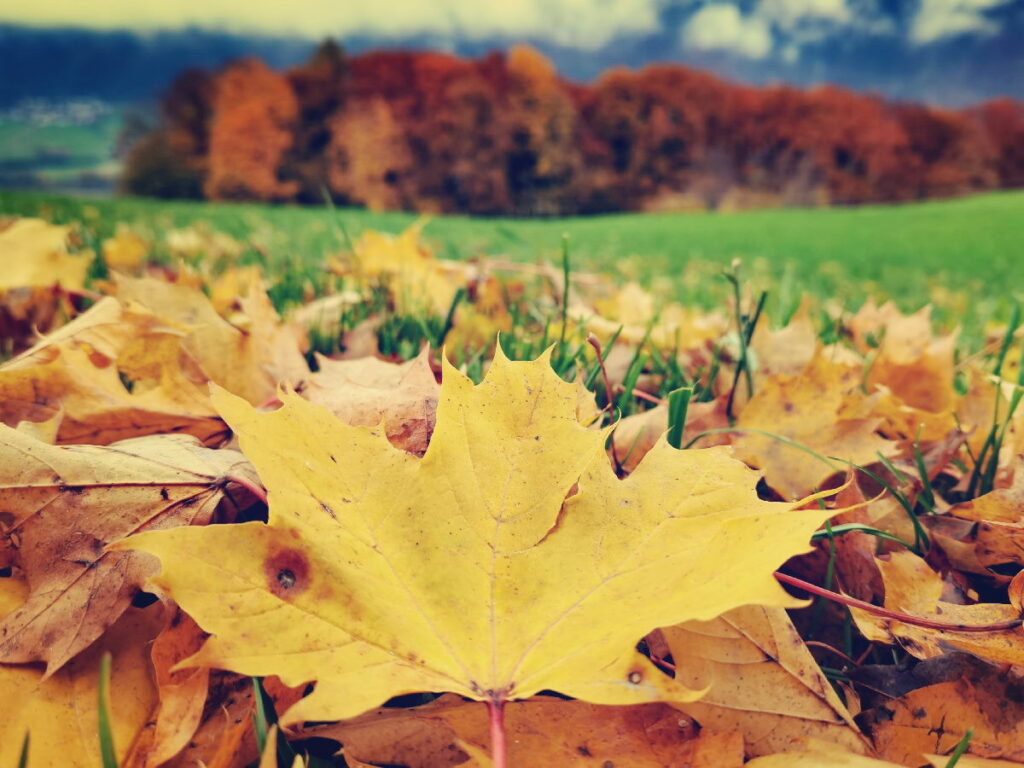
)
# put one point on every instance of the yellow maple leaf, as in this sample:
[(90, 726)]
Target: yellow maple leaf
[(416, 280), (508, 560), (820, 409), (60, 712), (126, 250), (34, 253)]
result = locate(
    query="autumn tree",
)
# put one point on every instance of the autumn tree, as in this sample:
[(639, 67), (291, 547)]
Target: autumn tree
[(504, 134), (255, 110), (1003, 120), (171, 161), (369, 162), (320, 89), (955, 154), (542, 159)]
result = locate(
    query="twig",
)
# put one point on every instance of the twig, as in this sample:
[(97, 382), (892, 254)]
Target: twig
[(905, 618)]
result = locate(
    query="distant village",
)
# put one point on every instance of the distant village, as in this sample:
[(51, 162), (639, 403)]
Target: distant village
[(40, 112)]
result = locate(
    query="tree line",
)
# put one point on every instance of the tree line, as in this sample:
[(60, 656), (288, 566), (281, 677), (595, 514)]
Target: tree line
[(504, 134)]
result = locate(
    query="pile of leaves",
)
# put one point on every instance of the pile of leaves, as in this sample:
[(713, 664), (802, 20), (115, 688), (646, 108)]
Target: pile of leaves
[(231, 538)]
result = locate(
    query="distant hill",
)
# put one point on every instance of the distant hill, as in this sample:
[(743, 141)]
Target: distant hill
[(125, 66)]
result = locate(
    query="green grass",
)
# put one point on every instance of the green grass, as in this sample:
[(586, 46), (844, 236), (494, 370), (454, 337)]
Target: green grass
[(966, 255)]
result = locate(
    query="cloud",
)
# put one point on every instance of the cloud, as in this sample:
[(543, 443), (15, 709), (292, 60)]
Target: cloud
[(940, 19), (789, 15), (781, 26), (588, 24), (723, 27)]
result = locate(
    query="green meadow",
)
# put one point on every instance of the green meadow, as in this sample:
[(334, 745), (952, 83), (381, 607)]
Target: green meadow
[(965, 256)]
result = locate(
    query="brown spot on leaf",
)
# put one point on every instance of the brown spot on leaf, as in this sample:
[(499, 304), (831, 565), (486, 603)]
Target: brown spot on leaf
[(287, 572), (635, 677)]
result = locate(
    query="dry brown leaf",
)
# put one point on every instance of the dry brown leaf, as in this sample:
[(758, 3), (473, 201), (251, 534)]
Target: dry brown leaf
[(911, 362), (225, 737), (367, 391), (249, 363), (540, 731), (636, 435), (912, 587), (763, 682), (97, 407), (970, 761), (787, 350), (182, 695), (812, 753), (820, 408), (999, 515), (59, 508), (932, 720)]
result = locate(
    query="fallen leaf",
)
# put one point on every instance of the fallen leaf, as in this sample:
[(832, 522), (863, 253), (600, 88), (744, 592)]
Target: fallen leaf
[(368, 391), (932, 720), (539, 731), (96, 406), (234, 283), (35, 253), (637, 434), (787, 350), (469, 570), (970, 761), (762, 681), (999, 514), (59, 508), (912, 587), (60, 712), (182, 695), (126, 250), (914, 365), (812, 753), (416, 280), (248, 363), (820, 409)]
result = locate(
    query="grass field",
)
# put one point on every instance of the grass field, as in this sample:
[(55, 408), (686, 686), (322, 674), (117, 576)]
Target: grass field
[(965, 255)]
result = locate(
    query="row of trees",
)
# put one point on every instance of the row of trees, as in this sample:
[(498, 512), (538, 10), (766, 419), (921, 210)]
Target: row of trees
[(505, 135)]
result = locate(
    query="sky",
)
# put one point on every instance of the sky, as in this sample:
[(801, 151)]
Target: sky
[(752, 28), (948, 50)]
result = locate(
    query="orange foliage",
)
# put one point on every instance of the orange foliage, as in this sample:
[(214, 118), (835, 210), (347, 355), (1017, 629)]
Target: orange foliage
[(504, 134), (253, 116)]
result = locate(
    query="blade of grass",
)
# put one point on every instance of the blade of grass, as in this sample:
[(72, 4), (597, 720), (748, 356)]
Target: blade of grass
[(108, 755), (23, 755), (678, 404), (565, 300), (957, 753), (259, 716)]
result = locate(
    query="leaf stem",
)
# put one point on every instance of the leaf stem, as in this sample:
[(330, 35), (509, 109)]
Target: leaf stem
[(592, 340), (905, 618), (499, 749), (255, 489)]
